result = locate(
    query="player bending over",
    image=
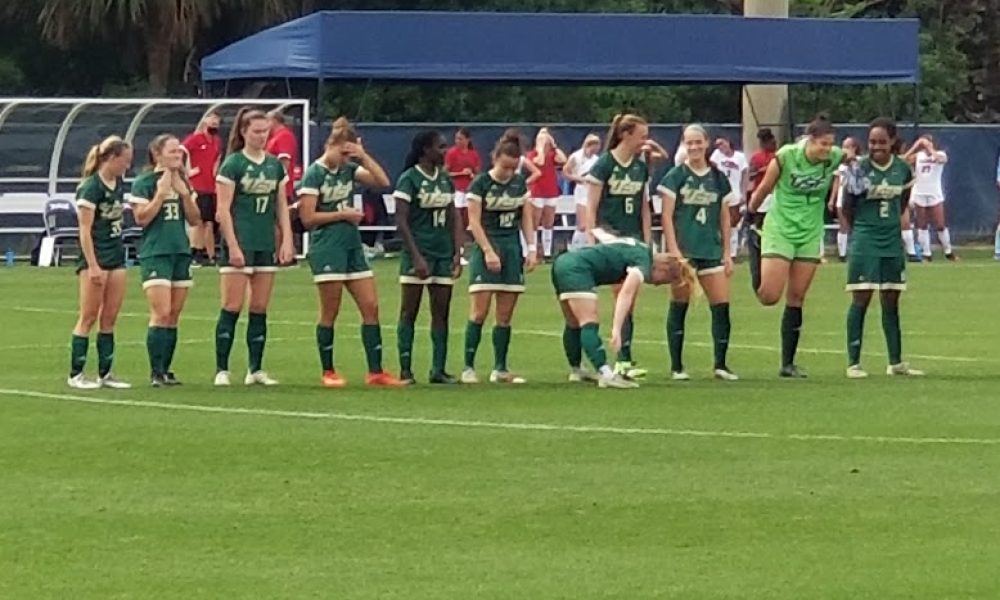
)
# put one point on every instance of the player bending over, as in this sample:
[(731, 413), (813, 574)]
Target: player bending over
[(624, 262)]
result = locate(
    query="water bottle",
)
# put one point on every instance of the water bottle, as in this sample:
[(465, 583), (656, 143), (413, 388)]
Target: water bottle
[(917, 246), (996, 245), (9, 257)]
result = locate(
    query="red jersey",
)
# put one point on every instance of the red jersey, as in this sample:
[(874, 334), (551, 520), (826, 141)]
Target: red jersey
[(546, 186), (758, 166), (282, 144), (457, 160), (204, 151)]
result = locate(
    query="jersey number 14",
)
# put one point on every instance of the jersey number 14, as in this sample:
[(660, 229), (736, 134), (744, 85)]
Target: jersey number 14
[(440, 217)]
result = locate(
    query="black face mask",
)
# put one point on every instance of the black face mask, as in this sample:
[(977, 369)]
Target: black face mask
[(213, 130)]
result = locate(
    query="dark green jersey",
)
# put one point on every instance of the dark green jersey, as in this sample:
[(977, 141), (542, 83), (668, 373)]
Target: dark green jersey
[(430, 198), (608, 263), (502, 203), (254, 198), (876, 230), (699, 199), (622, 194), (334, 191), (107, 204), (166, 233)]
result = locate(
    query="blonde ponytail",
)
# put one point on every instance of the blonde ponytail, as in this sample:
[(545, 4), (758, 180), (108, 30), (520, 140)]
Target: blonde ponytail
[(98, 154), (622, 123)]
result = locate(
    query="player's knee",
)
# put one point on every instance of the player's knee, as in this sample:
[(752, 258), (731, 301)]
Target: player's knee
[(369, 313), (768, 297)]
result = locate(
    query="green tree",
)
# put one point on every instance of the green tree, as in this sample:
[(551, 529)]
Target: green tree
[(164, 30)]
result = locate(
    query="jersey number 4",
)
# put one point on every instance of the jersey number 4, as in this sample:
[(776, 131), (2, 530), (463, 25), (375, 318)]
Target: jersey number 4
[(701, 216)]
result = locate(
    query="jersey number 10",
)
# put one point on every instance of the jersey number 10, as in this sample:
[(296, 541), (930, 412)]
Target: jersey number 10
[(507, 219)]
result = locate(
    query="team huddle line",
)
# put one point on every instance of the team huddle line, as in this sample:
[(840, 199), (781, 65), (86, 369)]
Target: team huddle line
[(786, 207)]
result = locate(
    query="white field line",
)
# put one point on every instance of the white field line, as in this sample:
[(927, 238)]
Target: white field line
[(756, 347), (499, 425)]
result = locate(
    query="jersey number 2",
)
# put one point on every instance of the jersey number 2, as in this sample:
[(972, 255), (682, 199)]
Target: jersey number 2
[(883, 209)]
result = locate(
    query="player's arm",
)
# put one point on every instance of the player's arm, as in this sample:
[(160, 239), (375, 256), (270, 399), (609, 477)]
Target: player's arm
[(370, 173), (568, 170), (85, 215), (528, 231), (533, 171), (766, 185), (646, 215), (623, 304), (669, 198), (911, 154), (145, 209), (907, 192), (225, 192), (286, 253), (745, 182), (725, 226), (831, 201), (476, 226)]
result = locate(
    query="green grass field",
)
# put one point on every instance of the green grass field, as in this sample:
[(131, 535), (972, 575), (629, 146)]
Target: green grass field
[(824, 488)]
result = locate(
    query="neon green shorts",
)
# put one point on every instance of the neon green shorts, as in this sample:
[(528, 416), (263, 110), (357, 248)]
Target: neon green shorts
[(776, 246)]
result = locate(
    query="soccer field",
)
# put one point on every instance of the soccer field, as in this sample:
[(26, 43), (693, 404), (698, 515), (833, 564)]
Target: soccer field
[(763, 488)]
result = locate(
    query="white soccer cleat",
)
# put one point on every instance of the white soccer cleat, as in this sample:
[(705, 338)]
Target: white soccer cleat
[(581, 376), (629, 370), (469, 376), (113, 383), (856, 372), (903, 370), (680, 376), (259, 378), (506, 377), (616, 381), (726, 375), (222, 379), (78, 382)]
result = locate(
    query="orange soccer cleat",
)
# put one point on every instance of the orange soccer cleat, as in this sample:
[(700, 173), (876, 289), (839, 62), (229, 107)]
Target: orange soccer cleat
[(382, 379), (332, 380)]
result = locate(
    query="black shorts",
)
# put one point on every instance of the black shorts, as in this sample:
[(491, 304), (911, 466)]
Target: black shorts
[(206, 207)]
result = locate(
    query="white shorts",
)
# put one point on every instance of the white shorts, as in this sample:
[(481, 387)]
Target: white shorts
[(581, 199), (543, 202), (926, 200), (460, 199)]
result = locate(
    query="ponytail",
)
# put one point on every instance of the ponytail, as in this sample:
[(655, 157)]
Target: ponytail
[(237, 141), (622, 123), (342, 132), (99, 154), (509, 144), (419, 145), (156, 147)]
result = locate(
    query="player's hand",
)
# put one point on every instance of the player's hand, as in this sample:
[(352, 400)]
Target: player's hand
[(530, 261), (97, 275), (353, 215), (236, 259), (354, 149), (493, 262), (180, 185), (456, 266), (831, 206), (286, 254), (468, 171), (616, 340), (420, 268), (165, 184), (727, 264)]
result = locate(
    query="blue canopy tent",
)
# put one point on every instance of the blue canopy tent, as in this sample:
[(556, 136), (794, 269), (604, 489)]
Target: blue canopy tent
[(583, 48)]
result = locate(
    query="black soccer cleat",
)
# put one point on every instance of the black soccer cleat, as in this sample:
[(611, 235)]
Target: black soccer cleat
[(791, 372), (442, 378), (171, 379), (407, 378)]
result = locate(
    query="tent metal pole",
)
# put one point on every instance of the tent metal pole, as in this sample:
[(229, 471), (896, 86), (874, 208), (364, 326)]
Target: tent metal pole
[(320, 92)]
